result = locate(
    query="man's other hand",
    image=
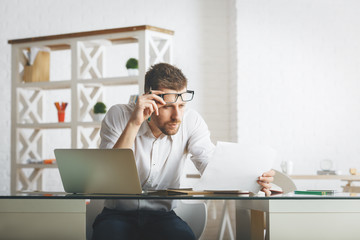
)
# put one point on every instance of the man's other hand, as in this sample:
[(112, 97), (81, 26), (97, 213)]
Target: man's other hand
[(265, 181)]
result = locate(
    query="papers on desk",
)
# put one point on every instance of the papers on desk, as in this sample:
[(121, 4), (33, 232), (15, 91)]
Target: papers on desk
[(235, 167)]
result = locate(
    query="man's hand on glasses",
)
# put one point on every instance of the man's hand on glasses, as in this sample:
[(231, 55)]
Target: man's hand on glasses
[(146, 105), (149, 103)]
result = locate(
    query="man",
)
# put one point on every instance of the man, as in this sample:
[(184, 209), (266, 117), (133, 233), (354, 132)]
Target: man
[(162, 132)]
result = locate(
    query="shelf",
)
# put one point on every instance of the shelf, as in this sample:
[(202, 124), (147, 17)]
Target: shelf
[(326, 177), (90, 124), (44, 125), (36, 165), (128, 80), (92, 33), (64, 84), (57, 125), (88, 84)]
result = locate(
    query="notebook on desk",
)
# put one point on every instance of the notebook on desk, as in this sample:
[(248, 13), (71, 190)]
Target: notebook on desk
[(98, 171)]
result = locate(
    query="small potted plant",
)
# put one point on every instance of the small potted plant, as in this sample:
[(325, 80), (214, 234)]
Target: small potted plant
[(132, 66), (99, 111)]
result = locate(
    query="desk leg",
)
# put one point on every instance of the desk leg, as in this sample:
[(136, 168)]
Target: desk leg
[(249, 223), (257, 224)]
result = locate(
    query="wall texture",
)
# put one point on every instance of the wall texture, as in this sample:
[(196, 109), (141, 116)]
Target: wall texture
[(200, 47), (298, 81), (281, 73)]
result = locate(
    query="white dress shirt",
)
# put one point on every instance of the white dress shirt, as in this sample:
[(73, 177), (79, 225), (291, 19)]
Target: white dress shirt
[(160, 161)]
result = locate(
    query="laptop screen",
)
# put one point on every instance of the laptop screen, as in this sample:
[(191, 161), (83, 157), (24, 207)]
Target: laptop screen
[(98, 171)]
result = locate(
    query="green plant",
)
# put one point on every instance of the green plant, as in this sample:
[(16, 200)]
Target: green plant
[(99, 107), (132, 63)]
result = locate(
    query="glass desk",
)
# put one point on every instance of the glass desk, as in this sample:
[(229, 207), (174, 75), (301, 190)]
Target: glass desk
[(287, 216)]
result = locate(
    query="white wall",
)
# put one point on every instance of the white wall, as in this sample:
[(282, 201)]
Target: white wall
[(200, 46), (299, 80), (289, 68)]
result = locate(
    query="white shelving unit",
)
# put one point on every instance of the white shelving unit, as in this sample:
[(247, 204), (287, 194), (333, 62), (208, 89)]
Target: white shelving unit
[(86, 86)]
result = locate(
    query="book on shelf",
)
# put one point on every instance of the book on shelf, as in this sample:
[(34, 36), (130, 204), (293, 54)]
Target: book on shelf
[(326, 172)]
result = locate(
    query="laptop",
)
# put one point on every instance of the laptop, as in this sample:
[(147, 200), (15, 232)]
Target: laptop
[(98, 171)]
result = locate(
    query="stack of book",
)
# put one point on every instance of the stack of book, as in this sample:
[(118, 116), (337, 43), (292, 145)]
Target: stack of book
[(326, 172)]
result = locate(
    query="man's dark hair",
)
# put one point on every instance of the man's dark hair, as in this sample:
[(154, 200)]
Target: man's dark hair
[(163, 75)]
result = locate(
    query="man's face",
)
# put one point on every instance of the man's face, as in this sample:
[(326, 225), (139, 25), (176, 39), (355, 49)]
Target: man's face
[(170, 115)]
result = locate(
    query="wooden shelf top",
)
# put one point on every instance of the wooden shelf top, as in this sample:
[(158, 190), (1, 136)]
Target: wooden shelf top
[(308, 177), (37, 165), (326, 177), (57, 125), (66, 84), (92, 33), (54, 125)]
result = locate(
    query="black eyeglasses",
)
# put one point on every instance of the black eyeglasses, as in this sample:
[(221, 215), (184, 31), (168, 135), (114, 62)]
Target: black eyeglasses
[(173, 97)]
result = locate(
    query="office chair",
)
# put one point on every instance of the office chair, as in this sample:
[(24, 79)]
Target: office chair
[(287, 185), (93, 208), (193, 213)]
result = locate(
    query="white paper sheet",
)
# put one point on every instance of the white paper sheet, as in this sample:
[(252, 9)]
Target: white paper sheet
[(236, 167)]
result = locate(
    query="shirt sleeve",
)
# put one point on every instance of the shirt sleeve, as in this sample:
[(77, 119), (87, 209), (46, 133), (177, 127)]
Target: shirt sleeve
[(112, 126), (200, 146)]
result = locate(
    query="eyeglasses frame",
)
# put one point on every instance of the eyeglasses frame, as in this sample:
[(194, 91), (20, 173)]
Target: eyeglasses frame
[(178, 95)]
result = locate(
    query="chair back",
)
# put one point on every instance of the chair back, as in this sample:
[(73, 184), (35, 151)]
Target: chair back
[(194, 213)]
